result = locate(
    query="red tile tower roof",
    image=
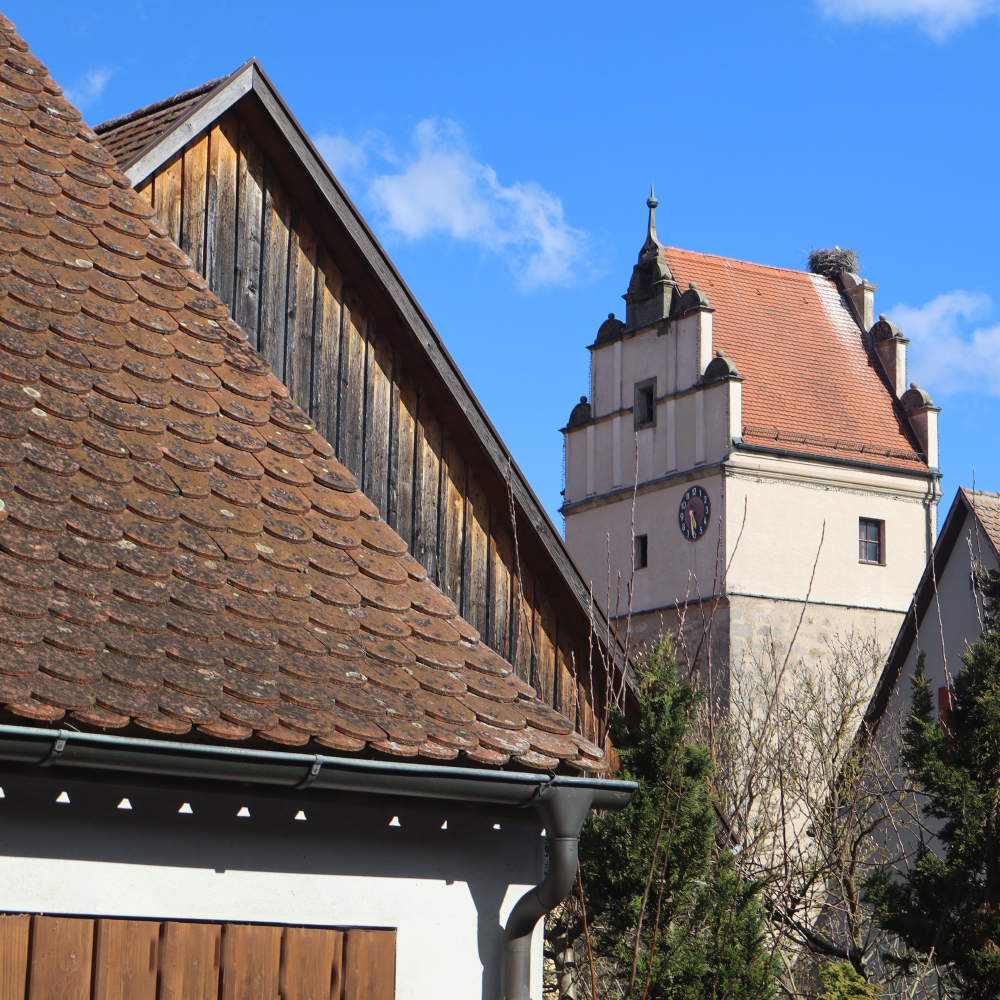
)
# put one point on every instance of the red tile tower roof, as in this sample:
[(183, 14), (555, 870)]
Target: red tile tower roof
[(811, 385), (179, 547)]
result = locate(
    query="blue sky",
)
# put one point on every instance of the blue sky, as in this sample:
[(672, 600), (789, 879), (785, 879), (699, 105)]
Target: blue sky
[(503, 155)]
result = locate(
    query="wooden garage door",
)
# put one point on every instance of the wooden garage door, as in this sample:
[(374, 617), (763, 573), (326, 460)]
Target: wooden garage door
[(83, 958)]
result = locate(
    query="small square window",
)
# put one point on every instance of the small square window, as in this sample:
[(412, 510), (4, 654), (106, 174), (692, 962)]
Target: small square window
[(641, 551), (871, 541), (645, 403)]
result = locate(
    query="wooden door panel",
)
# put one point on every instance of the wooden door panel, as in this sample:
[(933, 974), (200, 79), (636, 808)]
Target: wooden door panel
[(251, 962), (369, 965), (189, 963), (14, 931), (61, 955), (125, 959)]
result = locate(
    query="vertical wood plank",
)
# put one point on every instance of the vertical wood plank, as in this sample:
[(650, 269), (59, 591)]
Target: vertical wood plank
[(168, 196), (452, 521), (62, 948), (311, 963), (477, 561), (220, 208), (404, 431), (287, 352), (189, 961), (545, 648), (14, 929), (326, 345), (426, 485), (299, 325), (566, 693), (501, 558), (195, 193), (369, 965), (352, 387), (147, 190), (126, 959), (523, 628), (251, 962), (250, 202), (379, 421), (274, 271)]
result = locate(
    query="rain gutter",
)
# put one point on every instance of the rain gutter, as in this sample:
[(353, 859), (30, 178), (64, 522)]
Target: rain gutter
[(562, 803)]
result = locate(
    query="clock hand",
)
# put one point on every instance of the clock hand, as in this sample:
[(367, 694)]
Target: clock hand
[(694, 522)]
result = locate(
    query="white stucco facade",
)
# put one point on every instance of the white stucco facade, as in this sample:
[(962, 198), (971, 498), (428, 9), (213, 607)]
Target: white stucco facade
[(447, 892)]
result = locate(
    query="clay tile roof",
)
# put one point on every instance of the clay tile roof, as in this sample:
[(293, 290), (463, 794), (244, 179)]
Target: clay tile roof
[(811, 386), (987, 508), (179, 547), (126, 137)]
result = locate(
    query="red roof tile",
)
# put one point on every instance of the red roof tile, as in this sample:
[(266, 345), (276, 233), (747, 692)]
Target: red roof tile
[(987, 508), (811, 386), (178, 545)]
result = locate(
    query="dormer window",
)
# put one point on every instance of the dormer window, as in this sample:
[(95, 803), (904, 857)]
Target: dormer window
[(645, 403)]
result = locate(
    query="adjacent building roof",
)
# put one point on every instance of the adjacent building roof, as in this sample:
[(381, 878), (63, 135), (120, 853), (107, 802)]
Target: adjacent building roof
[(179, 548), (148, 141), (984, 508), (812, 386)]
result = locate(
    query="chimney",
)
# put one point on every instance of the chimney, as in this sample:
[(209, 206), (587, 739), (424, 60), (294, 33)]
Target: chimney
[(862, 295), (890, 346), (923, 416)]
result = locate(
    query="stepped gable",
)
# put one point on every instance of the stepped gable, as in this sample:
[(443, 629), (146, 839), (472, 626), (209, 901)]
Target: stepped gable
[(179, 548), (811, 384)]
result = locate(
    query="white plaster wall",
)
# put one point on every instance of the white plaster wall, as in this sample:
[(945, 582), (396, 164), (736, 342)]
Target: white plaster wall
[(447, 892), (602, 361), (785, 522), (959, 621), (678, 569), (643, 356), (576, 464)]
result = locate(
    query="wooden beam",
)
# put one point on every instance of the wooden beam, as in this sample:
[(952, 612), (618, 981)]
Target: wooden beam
[(195, 196), (221, 208), (250, 202)]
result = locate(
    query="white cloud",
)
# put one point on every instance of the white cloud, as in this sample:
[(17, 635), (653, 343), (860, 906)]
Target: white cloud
[(439, 188), (951, 350), (89, 88), (938, 18), (342, 156)]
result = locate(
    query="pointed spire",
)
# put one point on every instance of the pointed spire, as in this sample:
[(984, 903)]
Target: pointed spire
[(652, 244)]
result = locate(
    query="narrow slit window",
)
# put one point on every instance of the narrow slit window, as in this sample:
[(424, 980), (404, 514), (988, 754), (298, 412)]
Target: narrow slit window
[(641, 551), (871, 542), (645, 403)]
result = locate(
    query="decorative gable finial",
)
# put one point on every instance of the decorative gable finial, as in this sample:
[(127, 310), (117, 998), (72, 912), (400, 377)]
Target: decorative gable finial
[(652, 244)]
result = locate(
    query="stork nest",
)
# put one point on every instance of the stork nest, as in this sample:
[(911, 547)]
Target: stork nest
[(833, 263)]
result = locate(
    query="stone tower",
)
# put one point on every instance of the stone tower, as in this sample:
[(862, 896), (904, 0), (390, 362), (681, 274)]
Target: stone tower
[(745, 424)]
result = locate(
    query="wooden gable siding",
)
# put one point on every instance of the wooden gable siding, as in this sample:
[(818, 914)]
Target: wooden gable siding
[(224, 203)]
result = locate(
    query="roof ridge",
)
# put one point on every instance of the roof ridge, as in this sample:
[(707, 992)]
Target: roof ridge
[(748, 263), (150, 109)]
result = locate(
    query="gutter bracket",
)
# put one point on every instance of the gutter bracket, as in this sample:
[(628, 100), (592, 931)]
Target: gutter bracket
[(56, 752), (312, 775)]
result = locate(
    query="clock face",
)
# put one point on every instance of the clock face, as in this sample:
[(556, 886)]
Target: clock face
[(694, 512)]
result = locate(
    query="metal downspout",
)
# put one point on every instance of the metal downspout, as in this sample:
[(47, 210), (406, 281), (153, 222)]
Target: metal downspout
[(562, 809)]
